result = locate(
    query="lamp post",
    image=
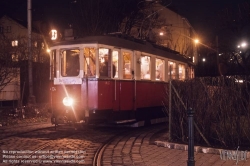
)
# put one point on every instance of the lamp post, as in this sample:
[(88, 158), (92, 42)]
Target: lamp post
[(31, 99), (190, 161)]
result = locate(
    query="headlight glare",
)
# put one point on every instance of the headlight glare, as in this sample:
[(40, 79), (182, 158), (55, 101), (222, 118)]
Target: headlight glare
[(68, 101)]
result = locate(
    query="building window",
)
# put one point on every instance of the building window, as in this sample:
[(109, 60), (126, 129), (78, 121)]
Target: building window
[(145, 67), (1, 29), (14, 57), (8, 29), (14, 43)]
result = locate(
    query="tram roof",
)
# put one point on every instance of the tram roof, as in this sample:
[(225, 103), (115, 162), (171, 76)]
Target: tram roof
[(128, 43)]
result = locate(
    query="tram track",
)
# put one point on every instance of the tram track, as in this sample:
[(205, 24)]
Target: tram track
[(101, 145), (70, 133), (18, 130), (26, 132), (99, 153), (65, 137), (124, 149)]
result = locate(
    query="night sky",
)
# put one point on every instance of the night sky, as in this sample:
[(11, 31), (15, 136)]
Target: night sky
[(200, 13)]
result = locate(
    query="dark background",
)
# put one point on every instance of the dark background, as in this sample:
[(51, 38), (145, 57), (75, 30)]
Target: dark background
[(202, 14)]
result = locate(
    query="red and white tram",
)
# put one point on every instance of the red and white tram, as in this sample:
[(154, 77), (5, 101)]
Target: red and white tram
[(111, 78)]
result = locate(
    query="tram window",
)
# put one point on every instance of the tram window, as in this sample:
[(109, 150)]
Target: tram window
[(145, 67), (89, 61), (70, 65), (127, 65), (115, 63), (171, 70), (104, 62), (159, 69), (182, 72)]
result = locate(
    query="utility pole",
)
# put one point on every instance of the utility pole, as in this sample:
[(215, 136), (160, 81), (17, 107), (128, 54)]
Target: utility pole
[(31, 99)]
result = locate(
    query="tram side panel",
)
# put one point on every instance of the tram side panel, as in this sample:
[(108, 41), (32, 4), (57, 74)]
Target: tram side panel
[(149, 94), (116, 99), (126, 95), (98, 98), (105, 94), (149, 98)]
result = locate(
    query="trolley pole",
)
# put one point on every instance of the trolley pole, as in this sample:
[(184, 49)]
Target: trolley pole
[(190, 114)]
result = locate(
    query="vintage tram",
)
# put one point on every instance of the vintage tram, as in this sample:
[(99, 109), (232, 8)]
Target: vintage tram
[(112, 79)]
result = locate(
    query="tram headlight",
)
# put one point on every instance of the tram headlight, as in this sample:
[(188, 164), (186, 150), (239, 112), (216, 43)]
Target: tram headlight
[(68, 101)]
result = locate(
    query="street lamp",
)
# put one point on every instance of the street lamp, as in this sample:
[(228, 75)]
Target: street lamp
[(242, 45), (196, 41)]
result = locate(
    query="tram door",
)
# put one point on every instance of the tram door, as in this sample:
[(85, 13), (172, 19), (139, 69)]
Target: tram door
[(124, 85), (116, 83)]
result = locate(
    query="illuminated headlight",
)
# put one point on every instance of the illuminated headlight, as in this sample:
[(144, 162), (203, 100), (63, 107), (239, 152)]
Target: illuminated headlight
[(68, 101)]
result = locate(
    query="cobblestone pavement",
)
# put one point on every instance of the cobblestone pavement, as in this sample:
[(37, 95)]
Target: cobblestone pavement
[(135, 148), (171, 154), (161, 156), (6, 131), (68, 144)]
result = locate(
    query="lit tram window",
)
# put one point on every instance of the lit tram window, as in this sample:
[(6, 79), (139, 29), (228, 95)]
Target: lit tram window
[(115, 59), (127, 56), (159, 69), (104, 61), (89, 61), (70, 64), (171, 70), (145, 67), (182, 72)]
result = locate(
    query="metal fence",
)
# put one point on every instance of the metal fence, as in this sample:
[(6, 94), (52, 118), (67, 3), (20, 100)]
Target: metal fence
[(222, 110)]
